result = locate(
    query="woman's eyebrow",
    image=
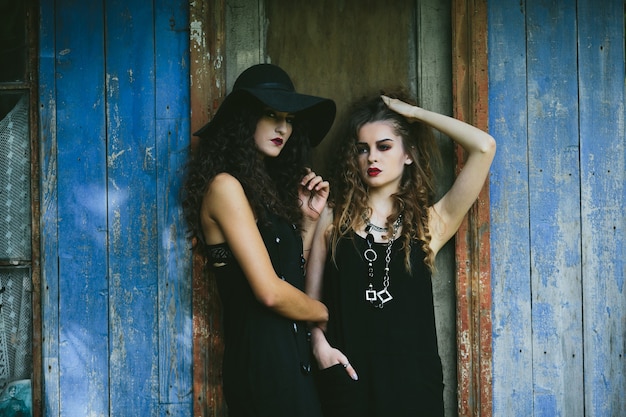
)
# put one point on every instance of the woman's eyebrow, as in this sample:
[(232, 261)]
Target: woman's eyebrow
[(378, 141)]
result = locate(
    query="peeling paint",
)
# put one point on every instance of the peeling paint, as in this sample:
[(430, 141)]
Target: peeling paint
[(116, 228), (114, 184), (196, 34), (148, 157), (113, 157)]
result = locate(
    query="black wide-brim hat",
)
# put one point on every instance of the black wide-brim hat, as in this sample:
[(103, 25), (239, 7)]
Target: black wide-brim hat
[(272, 86)]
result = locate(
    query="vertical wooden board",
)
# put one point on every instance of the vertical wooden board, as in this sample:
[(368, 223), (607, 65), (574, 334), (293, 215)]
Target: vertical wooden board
[(433, 84), (554, 208), (245, 37), (131, 155), (48, 198), (175, 302), (207, 44), (171, 59), (602, 135), (81, 197), (174, 254), (510, 235), (470, 104), (208, 86), (32, 27)]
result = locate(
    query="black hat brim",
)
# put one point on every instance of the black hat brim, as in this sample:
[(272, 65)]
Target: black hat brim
[(319, 112)]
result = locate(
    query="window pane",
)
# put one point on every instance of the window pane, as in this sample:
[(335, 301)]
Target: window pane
[(16, 291), (14, 178), (16, 359), (12, 40)]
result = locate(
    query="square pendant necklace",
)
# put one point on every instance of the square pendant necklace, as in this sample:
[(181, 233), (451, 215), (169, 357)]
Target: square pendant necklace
[(378, 298)]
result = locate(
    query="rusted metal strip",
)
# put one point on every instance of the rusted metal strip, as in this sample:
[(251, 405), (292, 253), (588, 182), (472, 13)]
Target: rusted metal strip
[(470, 103)]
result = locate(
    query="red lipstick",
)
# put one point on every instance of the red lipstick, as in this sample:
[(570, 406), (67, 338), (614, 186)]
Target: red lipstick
[(277, 141), (372, 172)]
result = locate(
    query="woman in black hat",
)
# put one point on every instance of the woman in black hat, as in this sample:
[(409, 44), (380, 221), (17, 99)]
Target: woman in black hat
[(252, 205), (377, 252)]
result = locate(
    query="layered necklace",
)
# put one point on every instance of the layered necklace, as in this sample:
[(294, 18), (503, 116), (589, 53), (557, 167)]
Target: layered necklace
[(378, 298)]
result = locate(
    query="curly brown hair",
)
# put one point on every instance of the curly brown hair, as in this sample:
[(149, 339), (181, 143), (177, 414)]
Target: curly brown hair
[(270, 184), (349, 194)]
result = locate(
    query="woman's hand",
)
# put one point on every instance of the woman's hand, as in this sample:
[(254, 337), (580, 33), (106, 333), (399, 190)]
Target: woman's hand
[(405, 109), (327, 356), (228, 217), (447, 214), (313, 193)]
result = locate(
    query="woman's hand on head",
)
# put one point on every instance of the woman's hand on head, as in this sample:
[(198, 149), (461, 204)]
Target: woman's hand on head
[(313, 193), (405, 109)]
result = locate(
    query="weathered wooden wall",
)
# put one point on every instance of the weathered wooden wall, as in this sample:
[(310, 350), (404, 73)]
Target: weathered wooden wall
[(114, 128), (116, 296), (556, 72)]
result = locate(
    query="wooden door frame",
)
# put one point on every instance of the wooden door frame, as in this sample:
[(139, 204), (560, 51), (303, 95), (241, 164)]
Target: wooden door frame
[(473, 275), (473, 278)]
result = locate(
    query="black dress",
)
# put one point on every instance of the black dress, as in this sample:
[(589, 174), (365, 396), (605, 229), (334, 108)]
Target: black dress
[(393, 349), (266, 368)]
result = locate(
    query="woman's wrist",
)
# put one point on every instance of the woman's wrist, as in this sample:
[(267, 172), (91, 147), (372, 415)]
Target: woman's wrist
[(317, 333)]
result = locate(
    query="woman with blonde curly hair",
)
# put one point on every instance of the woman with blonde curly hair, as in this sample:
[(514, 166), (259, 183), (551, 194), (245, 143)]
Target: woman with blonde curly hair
[(373, 255)]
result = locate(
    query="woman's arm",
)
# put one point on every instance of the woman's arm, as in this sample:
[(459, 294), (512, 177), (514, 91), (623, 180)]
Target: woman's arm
[(448, 213), (325, 355), (317, 255), (228, 216)]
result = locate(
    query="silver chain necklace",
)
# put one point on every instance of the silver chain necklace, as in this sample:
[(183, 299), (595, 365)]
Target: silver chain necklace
[(379, 298), (371, 226)]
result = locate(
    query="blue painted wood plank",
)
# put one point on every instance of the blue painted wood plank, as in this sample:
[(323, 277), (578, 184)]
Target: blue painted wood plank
[(175, 312), (554, 198), (48, 200), (603, 153), (172, 112), (81, 204), (510, 234), (131, 154), (172, 59)]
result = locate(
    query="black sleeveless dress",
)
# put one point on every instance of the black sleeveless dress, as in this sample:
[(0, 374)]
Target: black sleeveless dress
[(393, 349), (266, 368)]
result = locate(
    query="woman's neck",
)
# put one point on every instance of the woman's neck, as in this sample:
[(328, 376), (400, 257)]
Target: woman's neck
[(381, 204)]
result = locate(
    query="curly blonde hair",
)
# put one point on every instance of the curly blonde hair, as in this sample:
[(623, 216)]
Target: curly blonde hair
[(349, 194)]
